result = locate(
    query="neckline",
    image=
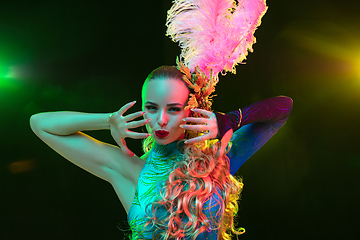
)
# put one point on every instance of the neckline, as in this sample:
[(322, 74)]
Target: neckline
[(168, 149)]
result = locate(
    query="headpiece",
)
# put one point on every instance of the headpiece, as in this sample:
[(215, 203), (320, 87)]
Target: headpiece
[(214, 36)]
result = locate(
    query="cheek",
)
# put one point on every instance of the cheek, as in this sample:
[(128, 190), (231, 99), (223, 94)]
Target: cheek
[(179, 121)]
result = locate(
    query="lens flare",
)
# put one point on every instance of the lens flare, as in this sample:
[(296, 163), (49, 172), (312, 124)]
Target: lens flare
[(22, 166), (327, 50)]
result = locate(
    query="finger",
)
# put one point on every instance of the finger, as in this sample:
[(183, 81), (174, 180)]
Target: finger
[(136, 124), (132, 116), (202, 111), (125, 149), (224, 142), (137, 135), (197, 139), (126, 107), (197, 128), (196, 120)]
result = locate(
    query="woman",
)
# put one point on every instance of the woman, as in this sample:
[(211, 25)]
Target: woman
[(139, 181)]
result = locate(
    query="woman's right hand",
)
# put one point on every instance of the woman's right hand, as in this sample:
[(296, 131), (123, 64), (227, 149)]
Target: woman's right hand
[(120, 125)]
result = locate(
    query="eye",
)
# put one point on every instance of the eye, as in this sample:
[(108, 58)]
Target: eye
[(151, 108), (174, 109)]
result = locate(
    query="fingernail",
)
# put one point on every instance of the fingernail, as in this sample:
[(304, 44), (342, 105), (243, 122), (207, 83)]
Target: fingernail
[(134, 102), (186, 142), (149, 120), (192, 109), (184, 119), (182, 126)]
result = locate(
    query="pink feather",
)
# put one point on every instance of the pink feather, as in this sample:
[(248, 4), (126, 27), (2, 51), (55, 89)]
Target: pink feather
[(214, 34)]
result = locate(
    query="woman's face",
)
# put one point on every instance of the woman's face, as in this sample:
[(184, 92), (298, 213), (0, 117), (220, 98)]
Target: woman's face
[(164, 101)]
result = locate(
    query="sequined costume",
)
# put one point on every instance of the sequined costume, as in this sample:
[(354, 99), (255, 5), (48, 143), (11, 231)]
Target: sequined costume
[(260, 121)]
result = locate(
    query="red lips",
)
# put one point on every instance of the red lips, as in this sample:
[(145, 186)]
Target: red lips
[(161, 133)]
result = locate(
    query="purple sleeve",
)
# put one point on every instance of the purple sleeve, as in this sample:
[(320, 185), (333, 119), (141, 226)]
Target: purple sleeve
[(253, 126)]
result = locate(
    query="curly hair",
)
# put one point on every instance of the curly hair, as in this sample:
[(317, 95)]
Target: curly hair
[(197, 178)]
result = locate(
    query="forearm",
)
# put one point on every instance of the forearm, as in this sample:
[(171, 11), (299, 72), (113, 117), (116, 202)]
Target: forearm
[(269, 110), (66, 123)]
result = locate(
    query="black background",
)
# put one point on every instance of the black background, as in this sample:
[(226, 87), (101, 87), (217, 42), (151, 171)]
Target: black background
[(92, 56)]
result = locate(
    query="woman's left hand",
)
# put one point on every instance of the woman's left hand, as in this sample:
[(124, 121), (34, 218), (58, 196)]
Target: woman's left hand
[(208, 125)]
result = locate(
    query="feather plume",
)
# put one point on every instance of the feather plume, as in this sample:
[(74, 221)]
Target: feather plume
[(214, 34)]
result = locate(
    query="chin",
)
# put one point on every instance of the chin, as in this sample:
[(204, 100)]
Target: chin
[(162, 141), (165, 140), (172, 137)]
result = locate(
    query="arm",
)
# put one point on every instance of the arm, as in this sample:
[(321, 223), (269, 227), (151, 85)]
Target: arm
[(62, 132), (253, 126)]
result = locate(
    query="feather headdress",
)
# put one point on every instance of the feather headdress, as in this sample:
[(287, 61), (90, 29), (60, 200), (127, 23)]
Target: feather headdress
[(214, 35)]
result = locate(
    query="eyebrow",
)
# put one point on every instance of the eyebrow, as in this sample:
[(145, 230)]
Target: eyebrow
[(169, 104)]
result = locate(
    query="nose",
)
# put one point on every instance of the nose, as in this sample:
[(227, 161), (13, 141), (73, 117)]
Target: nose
[(162, 119)]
